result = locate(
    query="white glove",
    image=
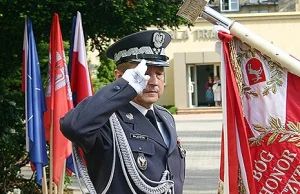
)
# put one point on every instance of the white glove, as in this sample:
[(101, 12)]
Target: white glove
[(136, 77)]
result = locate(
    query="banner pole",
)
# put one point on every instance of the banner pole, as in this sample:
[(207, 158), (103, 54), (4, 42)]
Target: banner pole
[(192, 9), (62, 179), (51, 158), (44, 181)]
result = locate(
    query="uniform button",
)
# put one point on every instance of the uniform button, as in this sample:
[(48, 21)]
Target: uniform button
[(117, 87), (140, 148)]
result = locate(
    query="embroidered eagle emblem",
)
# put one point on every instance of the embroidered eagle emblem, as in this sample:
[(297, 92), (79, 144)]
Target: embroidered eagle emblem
[(158, 39)]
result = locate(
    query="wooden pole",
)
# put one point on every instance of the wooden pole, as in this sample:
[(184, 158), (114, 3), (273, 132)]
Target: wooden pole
[(266, 47), (190, 11), (51, 158), (62, 180), (55, 188), (44, 181)]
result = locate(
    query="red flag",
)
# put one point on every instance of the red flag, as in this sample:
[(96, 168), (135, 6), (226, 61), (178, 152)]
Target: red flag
[(262, 123), (80, 75), (58, 98), (236, 170)]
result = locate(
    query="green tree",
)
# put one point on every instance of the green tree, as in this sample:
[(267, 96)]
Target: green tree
[(105, 71), (103, 22)]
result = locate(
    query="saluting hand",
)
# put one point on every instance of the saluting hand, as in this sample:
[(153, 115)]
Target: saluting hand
[(136, 77)]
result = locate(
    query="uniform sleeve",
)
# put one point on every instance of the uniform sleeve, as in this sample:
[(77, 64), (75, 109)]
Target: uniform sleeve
[(82, 124)]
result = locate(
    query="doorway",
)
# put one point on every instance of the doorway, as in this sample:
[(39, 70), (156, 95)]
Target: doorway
[(197, 77)]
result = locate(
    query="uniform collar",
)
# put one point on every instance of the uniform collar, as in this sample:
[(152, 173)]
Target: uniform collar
[(142, 109)]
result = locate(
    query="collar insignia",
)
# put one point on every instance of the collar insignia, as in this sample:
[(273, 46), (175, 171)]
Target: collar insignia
[(129, 116)]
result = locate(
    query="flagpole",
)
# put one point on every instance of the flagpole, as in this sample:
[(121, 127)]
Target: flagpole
[(192, 9), (44, 183), (62, 180), (55, 188), (34, 105), (59, 102), (51, 158)]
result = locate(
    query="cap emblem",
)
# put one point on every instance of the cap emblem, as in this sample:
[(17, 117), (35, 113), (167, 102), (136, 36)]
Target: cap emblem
[(158, 40)]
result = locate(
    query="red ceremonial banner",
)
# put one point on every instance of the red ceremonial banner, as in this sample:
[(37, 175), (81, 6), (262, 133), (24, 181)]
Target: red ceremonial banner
[(58, 99), (268, 96)]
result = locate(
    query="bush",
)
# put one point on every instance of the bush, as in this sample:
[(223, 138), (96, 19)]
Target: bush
[(171, 108)]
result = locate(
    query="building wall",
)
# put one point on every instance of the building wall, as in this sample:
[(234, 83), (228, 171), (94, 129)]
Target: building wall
[(196, 45), (260, 6)]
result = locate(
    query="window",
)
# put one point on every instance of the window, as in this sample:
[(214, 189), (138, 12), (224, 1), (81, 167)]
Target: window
[(230, 5)]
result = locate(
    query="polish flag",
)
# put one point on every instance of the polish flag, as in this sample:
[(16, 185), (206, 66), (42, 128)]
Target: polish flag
[(81, 84)]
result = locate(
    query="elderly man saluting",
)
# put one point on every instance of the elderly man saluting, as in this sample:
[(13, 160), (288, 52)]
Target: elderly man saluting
[(154, 160)]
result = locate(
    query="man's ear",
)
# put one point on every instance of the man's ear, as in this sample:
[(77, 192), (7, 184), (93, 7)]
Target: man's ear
[(118, 73)]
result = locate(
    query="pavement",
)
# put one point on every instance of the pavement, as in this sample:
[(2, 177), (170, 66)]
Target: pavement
[(200, 135)]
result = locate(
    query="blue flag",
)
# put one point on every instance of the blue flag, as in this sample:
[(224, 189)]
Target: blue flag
[(35, 104)]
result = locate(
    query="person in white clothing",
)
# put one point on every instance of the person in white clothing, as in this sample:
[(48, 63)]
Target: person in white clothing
[(217, 91)]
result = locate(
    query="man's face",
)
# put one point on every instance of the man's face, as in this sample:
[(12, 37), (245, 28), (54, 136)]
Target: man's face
[(154, 88)]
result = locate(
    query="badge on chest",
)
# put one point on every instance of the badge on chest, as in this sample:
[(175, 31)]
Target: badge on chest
[(141, 161)]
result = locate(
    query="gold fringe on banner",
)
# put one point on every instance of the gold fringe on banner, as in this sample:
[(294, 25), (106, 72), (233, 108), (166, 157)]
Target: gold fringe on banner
[(237, 68)]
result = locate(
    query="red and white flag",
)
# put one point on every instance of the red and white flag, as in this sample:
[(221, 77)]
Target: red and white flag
[(81, 83), (260, 148), (58, 99)]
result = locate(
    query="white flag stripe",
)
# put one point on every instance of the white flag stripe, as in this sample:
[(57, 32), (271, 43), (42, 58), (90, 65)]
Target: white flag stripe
[(224, 105), (79, 46), (79, 43)]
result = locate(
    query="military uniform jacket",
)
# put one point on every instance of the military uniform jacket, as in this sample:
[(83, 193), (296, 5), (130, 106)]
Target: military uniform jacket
[(88, 126)]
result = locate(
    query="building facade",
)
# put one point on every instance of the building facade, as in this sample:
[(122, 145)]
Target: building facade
[(192, 50)]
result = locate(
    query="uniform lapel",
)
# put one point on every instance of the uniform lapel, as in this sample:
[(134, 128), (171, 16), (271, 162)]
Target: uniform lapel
[(128, 114), (170, 126), (141, 125)]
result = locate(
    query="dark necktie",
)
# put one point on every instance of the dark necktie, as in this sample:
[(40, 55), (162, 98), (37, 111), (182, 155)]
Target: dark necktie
[(150, 115)]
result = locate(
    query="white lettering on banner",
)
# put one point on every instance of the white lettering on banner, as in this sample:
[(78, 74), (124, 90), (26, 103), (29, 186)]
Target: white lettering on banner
[(271, 184), (293, 183), (265, 191), (185, 34), (275, 178), (276, 174), (260, 165), (286, 154)]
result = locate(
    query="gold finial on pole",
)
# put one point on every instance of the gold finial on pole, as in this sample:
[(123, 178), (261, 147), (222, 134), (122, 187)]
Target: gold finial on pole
[(192, 9)]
